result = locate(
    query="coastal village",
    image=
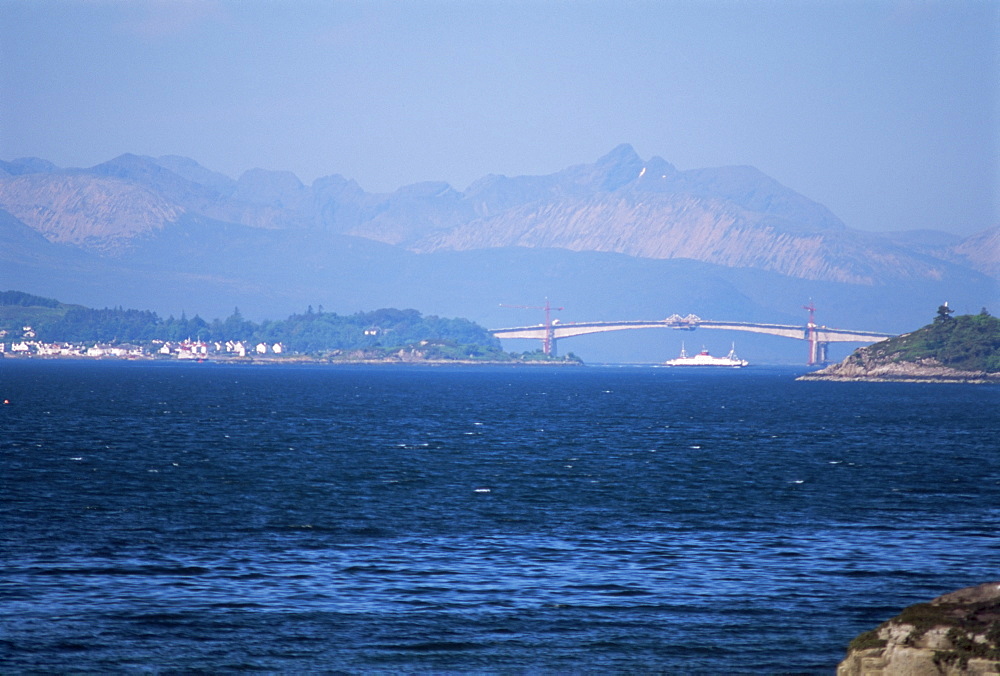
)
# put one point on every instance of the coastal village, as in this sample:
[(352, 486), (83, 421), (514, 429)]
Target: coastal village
[(27, 345)]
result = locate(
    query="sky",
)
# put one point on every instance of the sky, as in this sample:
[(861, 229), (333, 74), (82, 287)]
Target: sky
[(885, 111)]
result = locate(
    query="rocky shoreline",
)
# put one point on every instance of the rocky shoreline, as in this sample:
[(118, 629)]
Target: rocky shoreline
[(957, 634), (301, 359), (925, 371)]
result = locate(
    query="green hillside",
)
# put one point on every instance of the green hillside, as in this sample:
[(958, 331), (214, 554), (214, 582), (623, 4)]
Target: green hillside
[(19, 309), (309, 333)]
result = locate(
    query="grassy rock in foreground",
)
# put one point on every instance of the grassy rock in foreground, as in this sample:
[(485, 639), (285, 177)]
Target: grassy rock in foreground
[(957, 634)]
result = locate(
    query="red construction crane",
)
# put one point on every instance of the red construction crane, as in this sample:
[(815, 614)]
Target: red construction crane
[(549, 340)]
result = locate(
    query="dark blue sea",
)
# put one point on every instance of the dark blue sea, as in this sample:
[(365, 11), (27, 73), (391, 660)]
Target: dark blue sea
[(164, 518)]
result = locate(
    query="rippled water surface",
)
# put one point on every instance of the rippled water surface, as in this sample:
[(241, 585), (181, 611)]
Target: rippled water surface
[(161, 517)]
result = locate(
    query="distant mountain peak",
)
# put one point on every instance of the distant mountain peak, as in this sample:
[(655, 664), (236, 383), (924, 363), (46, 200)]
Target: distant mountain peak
[(620, 167), (193, 171), (27, 165), (623, 153), (132, 167), (657, 167)]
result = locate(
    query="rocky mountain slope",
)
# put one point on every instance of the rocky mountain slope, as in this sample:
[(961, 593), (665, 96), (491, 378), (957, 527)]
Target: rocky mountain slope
[(87, 211), (731, 216), (980, 252)]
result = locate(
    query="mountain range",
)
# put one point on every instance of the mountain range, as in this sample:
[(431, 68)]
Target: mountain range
[(621, 238)]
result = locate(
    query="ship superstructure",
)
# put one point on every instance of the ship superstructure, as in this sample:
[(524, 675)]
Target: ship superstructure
[(703, 358)]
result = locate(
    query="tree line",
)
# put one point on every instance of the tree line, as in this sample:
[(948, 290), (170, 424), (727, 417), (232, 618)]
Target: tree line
[(308, 332)]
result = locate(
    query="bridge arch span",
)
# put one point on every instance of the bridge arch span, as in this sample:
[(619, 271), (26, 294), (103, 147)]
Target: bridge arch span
[(818, 336)]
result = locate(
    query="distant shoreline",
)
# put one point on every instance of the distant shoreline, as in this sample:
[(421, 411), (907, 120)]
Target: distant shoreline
[(289, 361)]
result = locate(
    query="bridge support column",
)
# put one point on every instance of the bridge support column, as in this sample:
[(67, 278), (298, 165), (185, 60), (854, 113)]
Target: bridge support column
[(817, 351)]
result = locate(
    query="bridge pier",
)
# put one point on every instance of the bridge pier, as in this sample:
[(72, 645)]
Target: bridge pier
[(817, 352)]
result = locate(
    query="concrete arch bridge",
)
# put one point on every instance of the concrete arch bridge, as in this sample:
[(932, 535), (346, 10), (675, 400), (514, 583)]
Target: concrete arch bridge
[(817, 336)]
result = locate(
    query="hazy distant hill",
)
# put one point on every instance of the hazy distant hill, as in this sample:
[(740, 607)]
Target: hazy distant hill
[(620, 238), (980, 251), (731, 216)]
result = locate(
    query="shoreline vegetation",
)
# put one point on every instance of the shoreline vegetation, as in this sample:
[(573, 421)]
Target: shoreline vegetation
[(37, 327), (961, 349)]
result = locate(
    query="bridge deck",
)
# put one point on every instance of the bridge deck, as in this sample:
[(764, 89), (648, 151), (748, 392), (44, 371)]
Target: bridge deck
[(821, 333)]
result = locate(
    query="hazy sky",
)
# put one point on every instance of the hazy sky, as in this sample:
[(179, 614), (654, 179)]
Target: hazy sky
[(886, 111)]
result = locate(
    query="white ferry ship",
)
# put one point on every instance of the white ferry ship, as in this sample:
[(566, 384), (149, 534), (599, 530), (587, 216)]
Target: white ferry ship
[(703, 358)]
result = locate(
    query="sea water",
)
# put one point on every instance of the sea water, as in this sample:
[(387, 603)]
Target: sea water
[(207, 517)]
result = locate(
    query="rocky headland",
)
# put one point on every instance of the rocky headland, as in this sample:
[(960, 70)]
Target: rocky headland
[(963, 349), (957, 634)]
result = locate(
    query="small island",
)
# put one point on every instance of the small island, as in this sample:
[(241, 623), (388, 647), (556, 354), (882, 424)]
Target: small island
[(959, 349)]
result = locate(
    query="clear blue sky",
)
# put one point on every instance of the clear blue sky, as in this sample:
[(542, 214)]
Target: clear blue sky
[(888, 112)]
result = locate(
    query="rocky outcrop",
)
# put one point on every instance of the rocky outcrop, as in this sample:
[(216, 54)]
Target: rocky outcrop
[(957, 634)]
